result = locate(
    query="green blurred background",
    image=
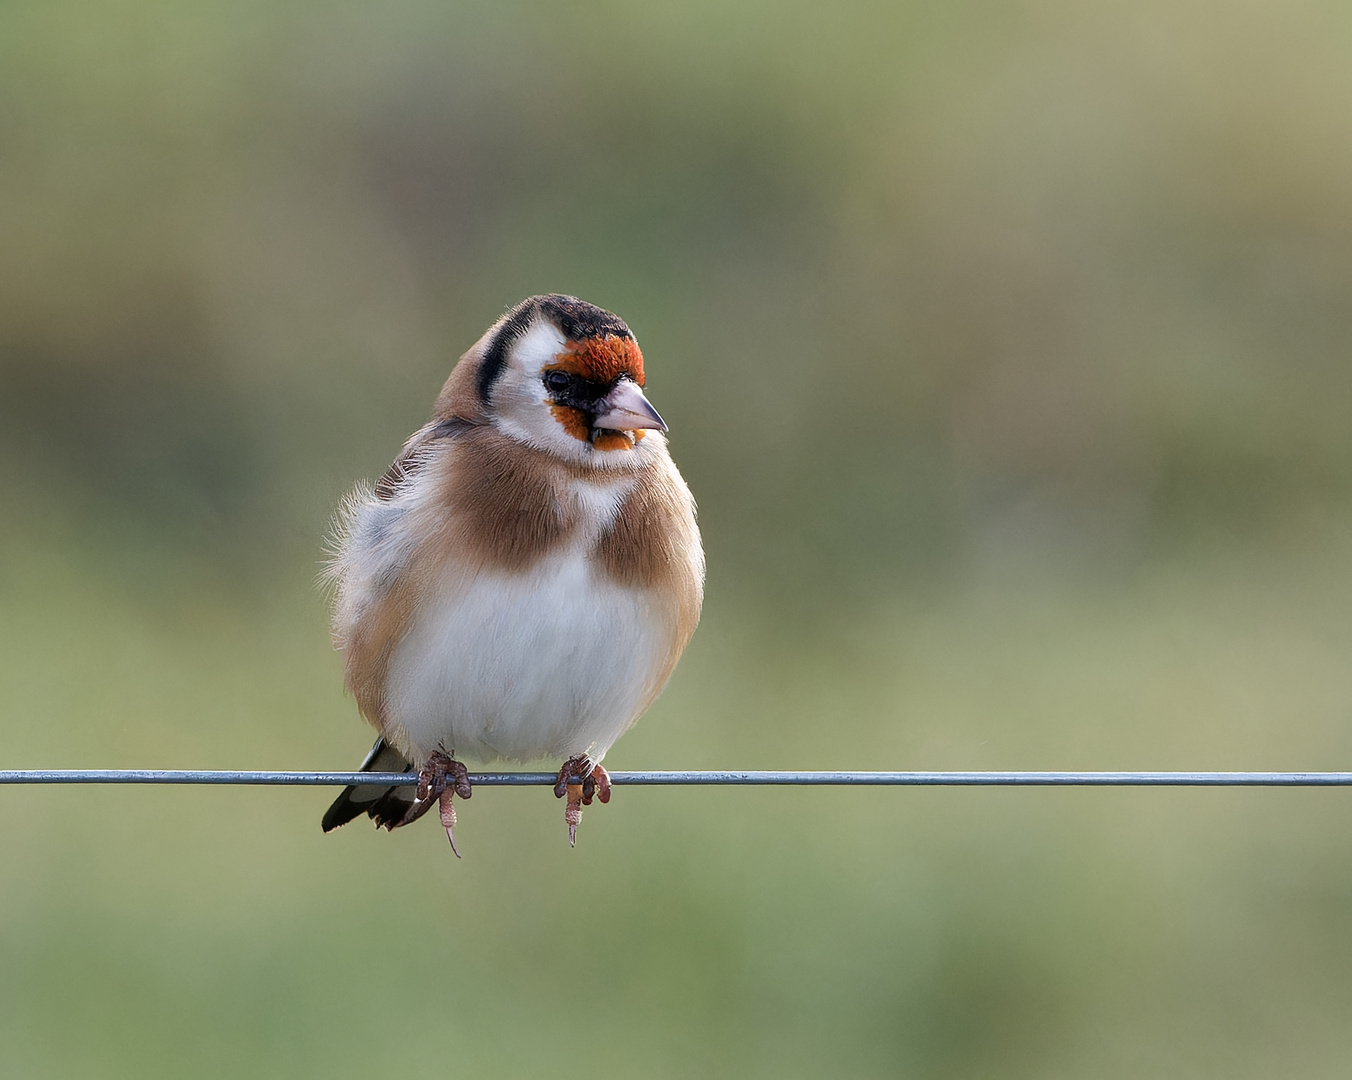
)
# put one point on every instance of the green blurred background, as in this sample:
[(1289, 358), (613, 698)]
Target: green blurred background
[(1007, 350)]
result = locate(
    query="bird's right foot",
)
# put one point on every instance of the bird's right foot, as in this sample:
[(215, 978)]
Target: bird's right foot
[(440, 780)]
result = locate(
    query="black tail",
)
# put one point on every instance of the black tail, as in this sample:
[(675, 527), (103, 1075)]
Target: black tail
[(385, 805)]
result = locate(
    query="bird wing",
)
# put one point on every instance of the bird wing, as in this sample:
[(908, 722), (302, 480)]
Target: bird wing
[(384, 805), (414, 454)]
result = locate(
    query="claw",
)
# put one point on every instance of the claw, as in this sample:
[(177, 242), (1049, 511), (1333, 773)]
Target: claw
[(461, 775), (573, 814), (602, 780), (415, 811), (448, 816)]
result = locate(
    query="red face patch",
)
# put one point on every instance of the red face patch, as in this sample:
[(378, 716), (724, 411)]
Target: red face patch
[(574, 421), (616, 440), (603, 359)]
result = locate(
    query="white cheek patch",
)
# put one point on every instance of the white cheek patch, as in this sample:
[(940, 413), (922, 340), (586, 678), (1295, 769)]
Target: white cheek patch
[(537, 347), (519, 399)]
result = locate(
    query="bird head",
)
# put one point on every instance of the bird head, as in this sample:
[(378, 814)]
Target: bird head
[(566, 377)]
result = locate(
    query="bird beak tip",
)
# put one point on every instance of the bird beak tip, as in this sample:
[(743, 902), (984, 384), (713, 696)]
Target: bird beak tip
[(627, 409)]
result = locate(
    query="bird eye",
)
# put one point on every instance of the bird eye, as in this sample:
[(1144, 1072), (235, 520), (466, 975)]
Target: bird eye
[(558, 380)]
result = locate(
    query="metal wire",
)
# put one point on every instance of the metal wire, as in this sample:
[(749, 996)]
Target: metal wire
[(528, 779)]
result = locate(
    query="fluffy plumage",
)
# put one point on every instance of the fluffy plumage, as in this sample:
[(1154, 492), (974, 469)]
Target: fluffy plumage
[(522, 580)]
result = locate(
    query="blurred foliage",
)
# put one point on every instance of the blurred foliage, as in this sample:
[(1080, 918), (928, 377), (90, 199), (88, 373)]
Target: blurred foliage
[(1006, 348)]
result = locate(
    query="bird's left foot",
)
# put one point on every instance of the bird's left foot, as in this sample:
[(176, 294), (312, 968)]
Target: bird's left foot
[(439, 781), (595, 784)]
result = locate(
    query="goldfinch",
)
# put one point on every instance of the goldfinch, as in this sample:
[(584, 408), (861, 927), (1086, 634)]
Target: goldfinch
[(523, 579)]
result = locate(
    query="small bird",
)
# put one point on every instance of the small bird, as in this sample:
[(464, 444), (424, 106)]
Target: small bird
[(523, 579)]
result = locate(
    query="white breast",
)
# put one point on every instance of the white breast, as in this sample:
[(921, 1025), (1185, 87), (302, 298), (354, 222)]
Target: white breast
[(543, 665)]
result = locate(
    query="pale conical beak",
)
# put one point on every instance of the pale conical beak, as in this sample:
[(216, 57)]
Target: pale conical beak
[(626, 409)]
